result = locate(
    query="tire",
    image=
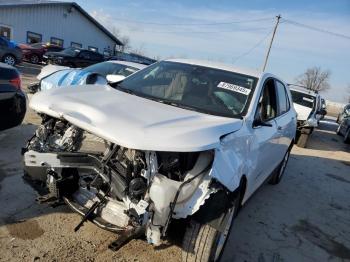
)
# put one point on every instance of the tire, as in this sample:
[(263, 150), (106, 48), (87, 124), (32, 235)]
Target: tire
[(347, 137), (204, 243), (277, 176), (34, 59), (9, 59), (302, 140)]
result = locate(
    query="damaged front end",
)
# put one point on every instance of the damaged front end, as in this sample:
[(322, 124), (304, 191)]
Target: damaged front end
[(120, 189)]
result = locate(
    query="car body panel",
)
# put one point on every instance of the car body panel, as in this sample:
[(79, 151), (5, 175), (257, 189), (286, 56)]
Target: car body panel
[(155, 127)]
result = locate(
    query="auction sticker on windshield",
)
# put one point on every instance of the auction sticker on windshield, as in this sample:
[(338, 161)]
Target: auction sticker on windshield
[(234, 88)]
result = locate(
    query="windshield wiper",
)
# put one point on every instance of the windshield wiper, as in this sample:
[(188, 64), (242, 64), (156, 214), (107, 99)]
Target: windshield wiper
[(172, 103), (120, 88)]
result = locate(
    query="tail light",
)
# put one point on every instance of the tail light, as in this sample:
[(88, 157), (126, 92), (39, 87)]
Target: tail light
[(16, 82)]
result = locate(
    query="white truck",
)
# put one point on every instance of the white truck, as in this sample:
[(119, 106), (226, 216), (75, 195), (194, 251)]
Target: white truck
[(309, 110)]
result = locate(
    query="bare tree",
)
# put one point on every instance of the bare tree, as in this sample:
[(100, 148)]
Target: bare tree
[(315, 79), (348, 93), (123, 38)]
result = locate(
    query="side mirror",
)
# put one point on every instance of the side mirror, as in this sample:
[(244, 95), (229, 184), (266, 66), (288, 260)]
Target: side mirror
[(258, 119), (114, 78)]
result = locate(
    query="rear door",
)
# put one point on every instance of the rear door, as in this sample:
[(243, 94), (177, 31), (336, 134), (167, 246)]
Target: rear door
[(285, 119), (83, 59)]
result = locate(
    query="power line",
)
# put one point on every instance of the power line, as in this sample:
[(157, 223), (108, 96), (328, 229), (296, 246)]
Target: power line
[(251, 49), (315, 28), (207, 32), (191, 24)]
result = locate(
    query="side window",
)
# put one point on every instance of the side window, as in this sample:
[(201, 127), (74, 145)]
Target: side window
[(268, 101), (283, 100), (84, 55), (3, 42), (95, 56)]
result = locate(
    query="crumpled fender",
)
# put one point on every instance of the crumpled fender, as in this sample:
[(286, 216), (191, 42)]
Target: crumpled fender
[(230, 161)]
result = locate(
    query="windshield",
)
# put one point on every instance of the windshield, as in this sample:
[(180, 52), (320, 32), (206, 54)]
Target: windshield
[(110, 68), (71, 51), (193, 87), (303, 99)]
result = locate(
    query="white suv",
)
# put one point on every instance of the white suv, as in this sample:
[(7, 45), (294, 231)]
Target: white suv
[(179, 140), (308, 105)]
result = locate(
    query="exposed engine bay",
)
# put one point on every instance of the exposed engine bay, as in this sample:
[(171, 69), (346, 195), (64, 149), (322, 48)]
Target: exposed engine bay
[(118, 188)]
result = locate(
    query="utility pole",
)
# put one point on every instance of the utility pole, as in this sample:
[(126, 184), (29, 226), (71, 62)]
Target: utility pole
[(273, 36)]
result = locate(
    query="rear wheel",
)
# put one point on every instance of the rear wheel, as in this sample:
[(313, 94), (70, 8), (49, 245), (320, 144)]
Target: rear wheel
[(302, 140), (204, 243), (34, 59), (9, 59), (277, 176)]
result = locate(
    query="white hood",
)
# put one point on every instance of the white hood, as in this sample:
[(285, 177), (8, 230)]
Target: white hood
[(133, 121), (302, 111)]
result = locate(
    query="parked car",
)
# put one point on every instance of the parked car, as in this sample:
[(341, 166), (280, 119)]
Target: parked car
[(309, 110), (56, 76), (74, 57), (344, 113), (132, 57), (10, 53), (12, 99), (344, 124), (34, 52), (179, 140)]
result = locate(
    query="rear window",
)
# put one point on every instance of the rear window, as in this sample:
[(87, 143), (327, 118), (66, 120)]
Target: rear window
[(303, 99)]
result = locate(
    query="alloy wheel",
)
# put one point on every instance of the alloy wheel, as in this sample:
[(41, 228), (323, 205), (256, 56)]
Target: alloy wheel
[(10, 60)]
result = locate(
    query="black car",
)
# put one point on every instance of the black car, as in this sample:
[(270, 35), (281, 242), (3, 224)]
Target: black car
[(74, 57), (344, 113), (13, 103), (344, 124)]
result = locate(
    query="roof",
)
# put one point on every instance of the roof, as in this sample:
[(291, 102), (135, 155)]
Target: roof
[(217, 65), (18, 3), (131, 64)]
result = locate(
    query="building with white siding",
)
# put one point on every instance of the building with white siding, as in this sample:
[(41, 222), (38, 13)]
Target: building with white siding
[(63, 23)]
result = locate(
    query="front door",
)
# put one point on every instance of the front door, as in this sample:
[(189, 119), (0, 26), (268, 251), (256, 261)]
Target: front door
[(265, 145)]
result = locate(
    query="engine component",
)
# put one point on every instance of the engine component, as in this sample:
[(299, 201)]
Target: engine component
[(137, 188)]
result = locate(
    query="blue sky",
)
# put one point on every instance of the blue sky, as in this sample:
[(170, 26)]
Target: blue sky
[(294, 49)]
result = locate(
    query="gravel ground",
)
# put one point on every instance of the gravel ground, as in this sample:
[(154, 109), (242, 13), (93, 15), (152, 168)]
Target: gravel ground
[(304, 218)]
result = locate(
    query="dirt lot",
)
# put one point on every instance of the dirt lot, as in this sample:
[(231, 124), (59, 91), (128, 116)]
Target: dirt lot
[(305, 218)]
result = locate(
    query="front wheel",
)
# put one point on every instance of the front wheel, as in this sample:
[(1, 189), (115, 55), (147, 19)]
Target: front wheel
[(9, 59), (203, 243)]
